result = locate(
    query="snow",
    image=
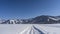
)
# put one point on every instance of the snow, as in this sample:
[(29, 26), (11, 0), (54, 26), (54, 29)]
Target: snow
[(53, 19), (30, 29)]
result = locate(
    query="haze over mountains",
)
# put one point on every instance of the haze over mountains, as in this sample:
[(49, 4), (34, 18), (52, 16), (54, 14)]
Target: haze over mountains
[(43, 19)]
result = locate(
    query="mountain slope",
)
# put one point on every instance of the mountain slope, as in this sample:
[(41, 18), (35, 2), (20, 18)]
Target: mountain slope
[(43, 19)]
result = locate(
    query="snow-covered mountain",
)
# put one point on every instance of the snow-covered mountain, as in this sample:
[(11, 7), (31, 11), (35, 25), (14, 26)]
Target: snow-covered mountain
[(43, 19)]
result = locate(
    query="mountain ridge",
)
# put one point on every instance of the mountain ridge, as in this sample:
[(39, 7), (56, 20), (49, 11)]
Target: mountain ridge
[(43, 19)]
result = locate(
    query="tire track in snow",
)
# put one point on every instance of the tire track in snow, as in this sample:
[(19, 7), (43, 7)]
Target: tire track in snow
[(32, 30)]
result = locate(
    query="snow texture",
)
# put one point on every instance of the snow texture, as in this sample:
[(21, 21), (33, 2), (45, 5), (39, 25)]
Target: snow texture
[(30, 29)]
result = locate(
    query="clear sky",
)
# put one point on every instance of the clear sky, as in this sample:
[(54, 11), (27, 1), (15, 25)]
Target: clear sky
[(28, 8)]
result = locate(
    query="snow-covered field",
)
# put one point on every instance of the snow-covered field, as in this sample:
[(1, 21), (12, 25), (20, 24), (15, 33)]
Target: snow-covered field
[(29, 28)]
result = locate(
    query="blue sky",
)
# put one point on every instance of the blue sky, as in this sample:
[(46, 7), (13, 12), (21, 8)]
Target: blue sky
[(28, 8)]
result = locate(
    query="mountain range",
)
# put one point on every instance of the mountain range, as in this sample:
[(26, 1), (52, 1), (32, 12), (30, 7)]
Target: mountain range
[(43, 19)]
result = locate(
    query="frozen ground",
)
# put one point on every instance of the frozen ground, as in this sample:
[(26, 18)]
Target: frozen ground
[(30, 29)]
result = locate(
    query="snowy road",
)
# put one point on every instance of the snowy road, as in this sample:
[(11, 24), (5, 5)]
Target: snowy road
[(30, 29)]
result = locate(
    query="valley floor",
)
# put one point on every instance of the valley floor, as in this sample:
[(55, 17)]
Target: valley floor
[(29, 28)]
